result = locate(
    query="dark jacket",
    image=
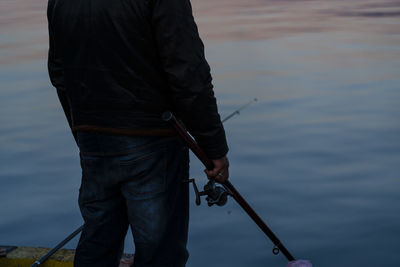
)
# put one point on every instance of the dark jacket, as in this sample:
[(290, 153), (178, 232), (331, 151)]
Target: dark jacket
[(120, 63)]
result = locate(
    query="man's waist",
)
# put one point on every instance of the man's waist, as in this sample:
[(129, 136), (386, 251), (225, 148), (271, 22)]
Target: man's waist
[(124, 131)]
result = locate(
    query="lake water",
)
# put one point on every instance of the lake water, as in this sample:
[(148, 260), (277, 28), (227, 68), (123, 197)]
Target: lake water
[(318, 156)]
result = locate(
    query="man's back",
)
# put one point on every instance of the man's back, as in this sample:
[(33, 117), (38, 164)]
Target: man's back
[(121, 63)]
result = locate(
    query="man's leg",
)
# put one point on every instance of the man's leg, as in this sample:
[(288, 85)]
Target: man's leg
[(102, 206), (158, 207), (102, 239)]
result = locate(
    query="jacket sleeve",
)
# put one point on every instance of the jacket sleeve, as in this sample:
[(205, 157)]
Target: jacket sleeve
[(188, 73), (55, 66)]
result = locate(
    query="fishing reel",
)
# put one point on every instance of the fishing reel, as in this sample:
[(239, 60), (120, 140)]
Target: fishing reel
[(216, 195)]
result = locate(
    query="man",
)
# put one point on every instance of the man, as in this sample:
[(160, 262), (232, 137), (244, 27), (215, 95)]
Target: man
[(117, 65)]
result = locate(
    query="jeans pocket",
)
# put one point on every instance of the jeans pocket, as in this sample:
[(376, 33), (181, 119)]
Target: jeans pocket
[(144, 174)]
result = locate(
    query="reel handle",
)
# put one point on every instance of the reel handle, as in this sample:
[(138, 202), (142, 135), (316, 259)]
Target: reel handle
[(196, 190)]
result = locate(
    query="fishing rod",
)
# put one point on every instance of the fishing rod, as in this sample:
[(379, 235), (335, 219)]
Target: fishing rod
[(230, 189), (60, 245), (237, 112), (79, 229)]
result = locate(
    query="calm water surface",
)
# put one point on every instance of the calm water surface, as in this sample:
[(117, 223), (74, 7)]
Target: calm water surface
[(318, 156)]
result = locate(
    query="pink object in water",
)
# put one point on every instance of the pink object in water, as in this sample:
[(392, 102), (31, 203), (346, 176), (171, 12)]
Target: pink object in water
[(300, 263)]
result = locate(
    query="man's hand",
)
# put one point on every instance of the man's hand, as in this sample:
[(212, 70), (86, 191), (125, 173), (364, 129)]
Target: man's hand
[(221, 170)]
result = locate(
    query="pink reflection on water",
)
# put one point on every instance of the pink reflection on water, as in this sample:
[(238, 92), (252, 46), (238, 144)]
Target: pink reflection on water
[(227, 20), (24, 27), (23, 31), (22, 15)]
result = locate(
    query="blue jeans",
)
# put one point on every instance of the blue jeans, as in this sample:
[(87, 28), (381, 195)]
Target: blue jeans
[(134, 181)]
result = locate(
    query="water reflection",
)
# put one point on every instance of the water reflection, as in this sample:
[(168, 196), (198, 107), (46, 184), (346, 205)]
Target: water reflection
[(23, 31), (260, 19), (24, 26)]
